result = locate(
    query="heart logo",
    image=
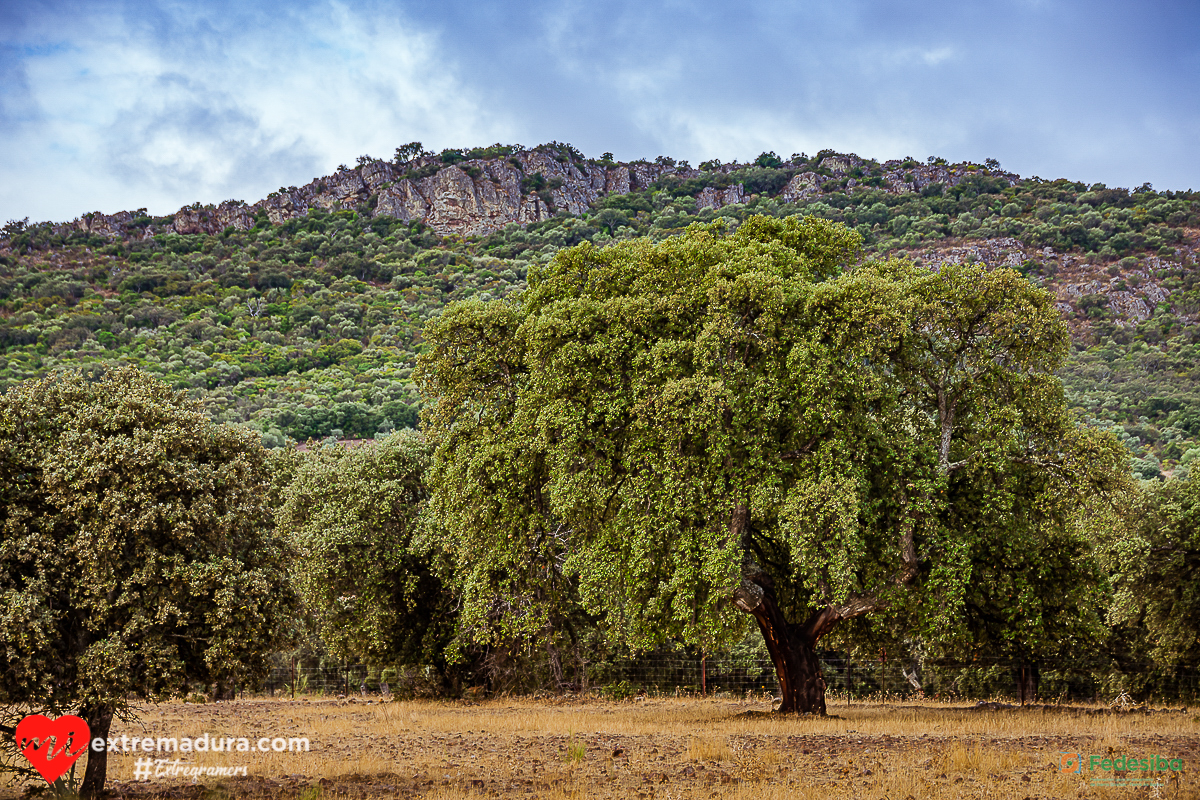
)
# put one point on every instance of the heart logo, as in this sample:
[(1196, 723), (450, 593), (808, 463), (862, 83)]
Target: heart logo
[(35, 735)]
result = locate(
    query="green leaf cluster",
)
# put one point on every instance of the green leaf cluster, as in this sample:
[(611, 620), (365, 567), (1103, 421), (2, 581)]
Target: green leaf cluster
[(351, 515), (137, 554)]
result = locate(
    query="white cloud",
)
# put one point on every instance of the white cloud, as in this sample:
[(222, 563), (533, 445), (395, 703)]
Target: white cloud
[(936, 55), (202, 106), (744, 133)]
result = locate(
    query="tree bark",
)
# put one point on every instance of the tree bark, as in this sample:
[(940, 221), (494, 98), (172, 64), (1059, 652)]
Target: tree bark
[(1027, 681), (99, 721), (801, 684), (946, 420), (793, 647)]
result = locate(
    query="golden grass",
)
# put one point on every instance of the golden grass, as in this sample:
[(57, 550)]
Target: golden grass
[(665, 749), (709, 748)]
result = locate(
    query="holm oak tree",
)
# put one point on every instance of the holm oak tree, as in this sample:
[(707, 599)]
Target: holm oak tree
[(680, 432), (136, 551)]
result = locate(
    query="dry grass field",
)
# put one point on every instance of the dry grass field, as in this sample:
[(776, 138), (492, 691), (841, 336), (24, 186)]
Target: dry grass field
[(665, 749)]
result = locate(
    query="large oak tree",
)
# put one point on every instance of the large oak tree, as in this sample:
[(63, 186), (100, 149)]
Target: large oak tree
[(677, 431), (137, 554)]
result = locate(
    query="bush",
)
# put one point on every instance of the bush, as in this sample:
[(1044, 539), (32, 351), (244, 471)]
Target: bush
[(768, 159)]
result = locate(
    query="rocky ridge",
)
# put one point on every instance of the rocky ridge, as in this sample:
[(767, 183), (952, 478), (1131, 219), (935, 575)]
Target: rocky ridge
[(1132, 295), (476, 197)]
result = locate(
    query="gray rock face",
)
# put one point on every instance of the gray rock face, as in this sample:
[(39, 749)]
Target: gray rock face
[(477, 197), (230, 214), (802, 186), (1128, 305), (466, 206), (717, 198), (838, 165), (402, 201), (110, 225), (471, 198)]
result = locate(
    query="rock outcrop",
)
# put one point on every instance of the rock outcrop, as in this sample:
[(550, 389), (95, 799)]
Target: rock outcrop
[(478, 196), (468, 198), (718, 198), (230, 214), (475, 197), (1132, 296)]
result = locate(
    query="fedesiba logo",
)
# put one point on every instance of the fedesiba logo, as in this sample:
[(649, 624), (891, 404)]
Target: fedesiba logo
[(1074, 762)]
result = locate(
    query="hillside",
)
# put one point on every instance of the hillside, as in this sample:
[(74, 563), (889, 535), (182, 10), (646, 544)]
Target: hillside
[(301, 313)]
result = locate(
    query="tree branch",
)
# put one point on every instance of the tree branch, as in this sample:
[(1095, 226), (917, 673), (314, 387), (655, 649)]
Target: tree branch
[(908, 555), (946, 421), (824, 620), (807, 446)]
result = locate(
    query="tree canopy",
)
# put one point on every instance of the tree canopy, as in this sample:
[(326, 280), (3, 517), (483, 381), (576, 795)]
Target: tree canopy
[(1155, 561), (666, 427), (136, 552), (352, 516)]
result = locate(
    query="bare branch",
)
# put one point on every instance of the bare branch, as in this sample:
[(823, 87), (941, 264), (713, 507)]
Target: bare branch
[(824, 620)]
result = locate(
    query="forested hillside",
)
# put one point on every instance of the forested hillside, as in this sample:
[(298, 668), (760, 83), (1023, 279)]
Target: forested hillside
[(303, 315)]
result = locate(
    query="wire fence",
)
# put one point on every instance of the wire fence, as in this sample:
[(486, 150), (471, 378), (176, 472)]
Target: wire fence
[(716, 675)]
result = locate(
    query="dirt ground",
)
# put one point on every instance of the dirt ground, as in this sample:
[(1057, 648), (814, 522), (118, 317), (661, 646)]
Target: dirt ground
[(660, 749)]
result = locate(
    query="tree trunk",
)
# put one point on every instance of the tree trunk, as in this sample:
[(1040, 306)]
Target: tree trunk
[(793, 647), (99, 721), (801, 684), (1027, 682)]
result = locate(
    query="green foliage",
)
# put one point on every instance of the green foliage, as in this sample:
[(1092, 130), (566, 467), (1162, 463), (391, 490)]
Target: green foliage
[(115, 483), (576, 751), (311, 328), (351, 515), (533, 183), (769, 160), (406, 153), (177, 305), (612, 426), (494, 151), (137, 554), (761, 179), (305, 327), (1155, 559), (1038, 589)]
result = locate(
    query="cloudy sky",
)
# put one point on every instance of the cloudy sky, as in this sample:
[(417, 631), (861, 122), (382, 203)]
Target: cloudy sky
[(107, 106)]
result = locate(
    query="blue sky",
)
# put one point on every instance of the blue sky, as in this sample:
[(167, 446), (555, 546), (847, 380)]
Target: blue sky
[(107, 106)]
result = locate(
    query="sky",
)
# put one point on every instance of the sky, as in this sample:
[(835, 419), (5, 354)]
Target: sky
[(109, 106)]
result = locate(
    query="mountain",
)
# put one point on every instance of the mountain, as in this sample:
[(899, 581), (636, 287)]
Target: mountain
[(480, 191), (301, 313)]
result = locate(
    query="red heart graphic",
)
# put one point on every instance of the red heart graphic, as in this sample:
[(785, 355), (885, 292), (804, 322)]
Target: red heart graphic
[(34, 734)]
